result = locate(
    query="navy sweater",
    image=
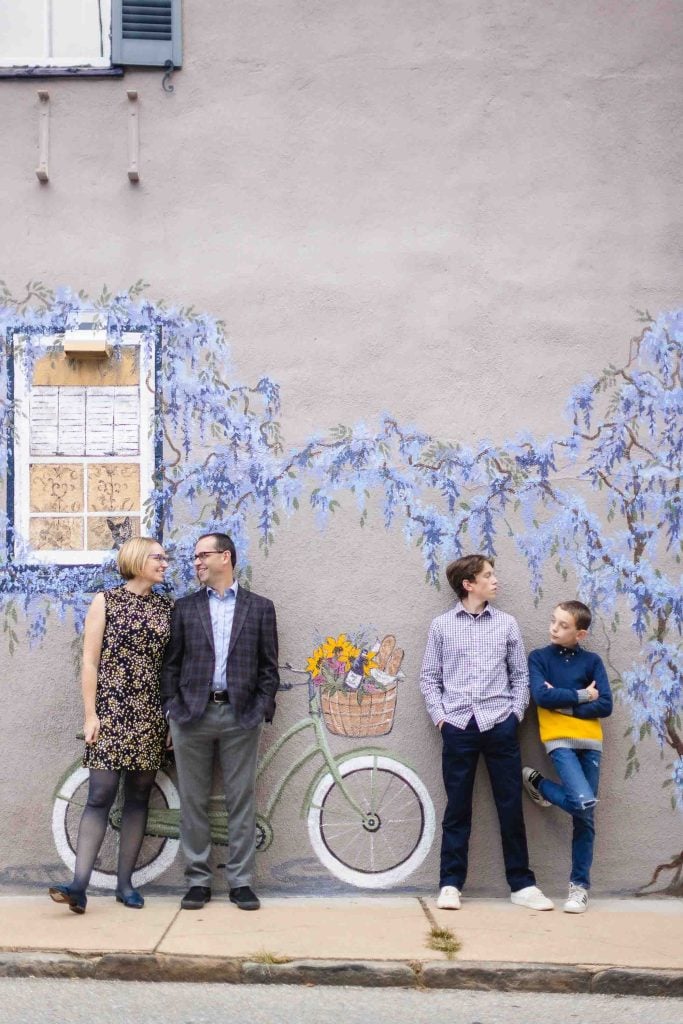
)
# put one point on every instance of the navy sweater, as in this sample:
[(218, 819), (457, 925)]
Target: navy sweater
[(565, 717)]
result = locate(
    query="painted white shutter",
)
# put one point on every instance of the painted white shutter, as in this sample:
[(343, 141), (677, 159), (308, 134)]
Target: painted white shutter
[(146, 32)]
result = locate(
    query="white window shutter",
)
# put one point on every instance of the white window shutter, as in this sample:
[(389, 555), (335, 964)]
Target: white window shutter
[(146, 33)]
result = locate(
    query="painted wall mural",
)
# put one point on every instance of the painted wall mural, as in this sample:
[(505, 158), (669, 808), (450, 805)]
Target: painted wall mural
[(602, 501), (369, 817)]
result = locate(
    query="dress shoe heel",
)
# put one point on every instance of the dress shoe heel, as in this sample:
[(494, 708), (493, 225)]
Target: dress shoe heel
[(76, 901), (131, 899)]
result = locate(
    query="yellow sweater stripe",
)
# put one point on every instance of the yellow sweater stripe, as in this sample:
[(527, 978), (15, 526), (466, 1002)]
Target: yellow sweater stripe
[(555, 726)]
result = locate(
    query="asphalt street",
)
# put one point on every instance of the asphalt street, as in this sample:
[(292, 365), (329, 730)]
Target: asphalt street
[(44, 1001)]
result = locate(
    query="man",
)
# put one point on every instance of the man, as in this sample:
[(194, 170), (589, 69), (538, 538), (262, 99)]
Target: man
[(218, 684), (475, 684)]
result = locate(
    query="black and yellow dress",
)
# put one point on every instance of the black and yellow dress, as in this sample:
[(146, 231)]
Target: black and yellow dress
[(127, 703)]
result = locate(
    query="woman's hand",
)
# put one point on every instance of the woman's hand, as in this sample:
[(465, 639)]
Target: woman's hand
[(91, 729)]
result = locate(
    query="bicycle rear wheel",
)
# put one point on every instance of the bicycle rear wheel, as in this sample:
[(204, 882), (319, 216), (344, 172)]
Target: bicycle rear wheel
[(158, 848), (389, 840)]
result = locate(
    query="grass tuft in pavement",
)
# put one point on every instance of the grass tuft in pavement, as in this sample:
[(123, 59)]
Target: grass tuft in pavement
[(443, 941), (264, 956)]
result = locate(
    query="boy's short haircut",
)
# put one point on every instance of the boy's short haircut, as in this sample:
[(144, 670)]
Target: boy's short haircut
[(465, 568), (579, 611)]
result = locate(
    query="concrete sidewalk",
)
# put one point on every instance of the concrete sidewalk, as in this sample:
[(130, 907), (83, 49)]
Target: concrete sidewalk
[(627, 946)]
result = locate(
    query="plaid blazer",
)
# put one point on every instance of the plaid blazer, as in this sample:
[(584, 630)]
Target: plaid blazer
[(187, 670)]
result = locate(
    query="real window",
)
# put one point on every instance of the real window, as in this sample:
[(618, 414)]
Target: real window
[(88, 37), (55, 33)]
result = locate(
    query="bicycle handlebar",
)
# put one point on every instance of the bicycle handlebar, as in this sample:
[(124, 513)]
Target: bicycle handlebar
[(295, 671)]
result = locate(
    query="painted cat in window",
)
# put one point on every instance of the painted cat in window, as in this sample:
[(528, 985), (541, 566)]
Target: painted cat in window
[(121, 530)]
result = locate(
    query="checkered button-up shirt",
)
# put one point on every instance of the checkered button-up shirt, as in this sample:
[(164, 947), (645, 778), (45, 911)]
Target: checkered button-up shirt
[(474, 665)]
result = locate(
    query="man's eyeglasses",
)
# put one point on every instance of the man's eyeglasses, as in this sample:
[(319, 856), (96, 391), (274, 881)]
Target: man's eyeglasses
[(161, 558), (201, 556)]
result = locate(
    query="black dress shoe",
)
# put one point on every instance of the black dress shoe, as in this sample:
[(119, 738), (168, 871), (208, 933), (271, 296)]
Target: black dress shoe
[(245, 898), (195, 897), (63, 894)]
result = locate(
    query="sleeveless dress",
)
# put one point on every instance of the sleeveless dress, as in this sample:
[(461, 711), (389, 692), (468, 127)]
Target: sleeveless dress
[(127, 702)]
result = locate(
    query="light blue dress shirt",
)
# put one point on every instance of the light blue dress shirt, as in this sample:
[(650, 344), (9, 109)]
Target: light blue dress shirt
[(222, 610)]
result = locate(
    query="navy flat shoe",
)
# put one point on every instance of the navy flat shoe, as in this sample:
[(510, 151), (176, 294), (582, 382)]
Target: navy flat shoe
[(131, 899), (62, 894)]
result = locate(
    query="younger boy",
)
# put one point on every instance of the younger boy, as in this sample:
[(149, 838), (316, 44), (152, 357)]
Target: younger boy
[(572, 692)]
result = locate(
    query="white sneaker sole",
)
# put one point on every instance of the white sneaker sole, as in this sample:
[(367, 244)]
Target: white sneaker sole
[(540, 905)]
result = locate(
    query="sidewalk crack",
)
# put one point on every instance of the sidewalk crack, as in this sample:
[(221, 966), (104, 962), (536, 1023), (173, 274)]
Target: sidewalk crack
[(167, 930), (427, 912)]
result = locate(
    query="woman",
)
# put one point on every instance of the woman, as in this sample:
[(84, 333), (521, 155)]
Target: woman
[(126, 631)]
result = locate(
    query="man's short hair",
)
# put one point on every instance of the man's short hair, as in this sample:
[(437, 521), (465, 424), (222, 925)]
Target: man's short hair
[(579, 611), (465, 568), (223, 543)]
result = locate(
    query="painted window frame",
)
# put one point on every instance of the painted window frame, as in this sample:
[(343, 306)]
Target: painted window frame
[(19, 457), (89, 58)]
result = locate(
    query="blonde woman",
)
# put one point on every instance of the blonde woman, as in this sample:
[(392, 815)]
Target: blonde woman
[(126, 632)]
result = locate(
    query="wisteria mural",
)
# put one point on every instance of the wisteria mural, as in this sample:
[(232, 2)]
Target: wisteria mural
[(600, 504)]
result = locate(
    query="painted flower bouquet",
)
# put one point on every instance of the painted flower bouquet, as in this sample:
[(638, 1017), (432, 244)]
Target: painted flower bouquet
[(358, 683)]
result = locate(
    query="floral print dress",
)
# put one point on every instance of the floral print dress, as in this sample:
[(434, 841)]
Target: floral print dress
[(127, 702)]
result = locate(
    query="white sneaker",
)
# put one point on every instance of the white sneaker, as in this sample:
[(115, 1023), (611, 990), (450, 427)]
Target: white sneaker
[(532, 898), (577, 902), (448, 898), (530, 781)]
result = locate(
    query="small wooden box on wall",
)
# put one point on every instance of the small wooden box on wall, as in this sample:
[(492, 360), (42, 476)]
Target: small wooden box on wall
[(86, 344)]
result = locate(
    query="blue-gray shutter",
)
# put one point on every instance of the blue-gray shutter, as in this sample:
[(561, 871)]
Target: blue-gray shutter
[(146, 32)]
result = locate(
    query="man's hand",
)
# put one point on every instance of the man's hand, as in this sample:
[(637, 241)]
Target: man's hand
[(548, 685), (592, 691), (439, 725)]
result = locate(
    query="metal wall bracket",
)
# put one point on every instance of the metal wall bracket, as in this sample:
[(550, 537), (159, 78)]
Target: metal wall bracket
[(43, 135), (169, 68), (133, 136)]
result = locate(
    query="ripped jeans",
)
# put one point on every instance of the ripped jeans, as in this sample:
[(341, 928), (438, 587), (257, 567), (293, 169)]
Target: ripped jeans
[(579, 772)]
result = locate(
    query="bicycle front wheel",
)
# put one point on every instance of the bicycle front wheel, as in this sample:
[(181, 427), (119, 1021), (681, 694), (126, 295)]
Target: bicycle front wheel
[(384, 844), (159, 847)]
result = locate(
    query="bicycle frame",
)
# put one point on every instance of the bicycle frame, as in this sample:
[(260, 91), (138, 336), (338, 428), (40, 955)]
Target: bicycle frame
[(165, 822), (321, 746)]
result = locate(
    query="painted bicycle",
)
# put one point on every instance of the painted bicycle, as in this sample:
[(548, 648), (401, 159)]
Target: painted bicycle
[(369, 816)]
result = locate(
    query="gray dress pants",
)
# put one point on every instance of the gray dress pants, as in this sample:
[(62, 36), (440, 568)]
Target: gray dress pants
[(194, 745)]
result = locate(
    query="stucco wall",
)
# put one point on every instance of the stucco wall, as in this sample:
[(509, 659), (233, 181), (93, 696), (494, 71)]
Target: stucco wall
[(445, 210)]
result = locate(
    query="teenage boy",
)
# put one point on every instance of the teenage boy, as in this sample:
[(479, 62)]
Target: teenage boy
[(572, 692), (476, 687)]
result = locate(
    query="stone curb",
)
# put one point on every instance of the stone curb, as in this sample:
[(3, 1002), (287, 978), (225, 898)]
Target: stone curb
[(369, 973), (492, 976), (507, 977)]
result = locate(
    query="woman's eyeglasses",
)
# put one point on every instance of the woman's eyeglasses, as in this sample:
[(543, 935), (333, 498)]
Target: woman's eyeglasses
[(161, 558)]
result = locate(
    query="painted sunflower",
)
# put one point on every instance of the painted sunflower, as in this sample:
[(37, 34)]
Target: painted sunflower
[(337, 653)]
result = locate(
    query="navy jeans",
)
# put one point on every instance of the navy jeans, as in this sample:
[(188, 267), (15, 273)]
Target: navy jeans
[(461, 750), (579, 772)]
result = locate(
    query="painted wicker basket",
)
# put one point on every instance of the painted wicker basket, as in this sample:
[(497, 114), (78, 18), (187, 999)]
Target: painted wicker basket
[(372, 715)]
